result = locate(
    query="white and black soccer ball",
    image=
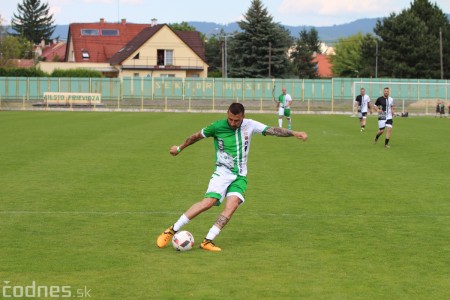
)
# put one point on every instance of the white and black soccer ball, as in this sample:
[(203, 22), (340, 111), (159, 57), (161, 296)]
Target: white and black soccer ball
[(183, 241)]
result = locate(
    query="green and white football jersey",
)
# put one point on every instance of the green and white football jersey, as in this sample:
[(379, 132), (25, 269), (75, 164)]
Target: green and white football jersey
[(232, 146), (285, 100)]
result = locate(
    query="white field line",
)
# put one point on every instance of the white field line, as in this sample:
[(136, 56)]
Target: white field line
[(289, 215)]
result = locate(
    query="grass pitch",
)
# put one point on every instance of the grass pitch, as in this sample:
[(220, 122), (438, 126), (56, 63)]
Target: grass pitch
[(83, 197)]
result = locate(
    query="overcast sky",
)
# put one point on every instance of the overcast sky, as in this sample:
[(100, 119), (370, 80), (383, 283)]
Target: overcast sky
[(286, 12)]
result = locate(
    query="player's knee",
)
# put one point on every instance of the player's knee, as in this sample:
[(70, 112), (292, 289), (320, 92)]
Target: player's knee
[(208, 202)]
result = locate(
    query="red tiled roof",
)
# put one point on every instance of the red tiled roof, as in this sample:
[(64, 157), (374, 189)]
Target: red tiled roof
[(191, 38), (100, 48), (59, 49), (323, 66)]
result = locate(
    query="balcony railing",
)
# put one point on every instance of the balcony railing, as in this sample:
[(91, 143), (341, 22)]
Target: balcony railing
[(177, 63)]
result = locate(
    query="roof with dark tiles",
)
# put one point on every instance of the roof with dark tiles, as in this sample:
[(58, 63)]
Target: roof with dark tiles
[(191, 38)]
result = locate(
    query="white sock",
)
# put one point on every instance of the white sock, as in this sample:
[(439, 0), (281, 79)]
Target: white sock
[(213, 232), (289, 122), (183, 220), (280, 122)]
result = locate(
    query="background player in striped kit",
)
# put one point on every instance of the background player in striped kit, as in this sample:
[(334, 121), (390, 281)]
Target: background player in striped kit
[(385, 108), (362, 103)]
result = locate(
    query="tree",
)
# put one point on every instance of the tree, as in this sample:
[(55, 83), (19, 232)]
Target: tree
[(12, 47), (260, 41), (306, 46), (409, 45), (183, 26), (213, 55), (355, 56), (33, 21)]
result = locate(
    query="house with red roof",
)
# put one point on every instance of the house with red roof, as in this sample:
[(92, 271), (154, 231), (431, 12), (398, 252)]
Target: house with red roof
[(128, 49), (160, 51)]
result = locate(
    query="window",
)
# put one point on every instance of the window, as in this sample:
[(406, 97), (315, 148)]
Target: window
[(164, 57), (85, 54), (110, 32), (136, 74), (169, 57), (136, 56), (167, 75), (89, 32)]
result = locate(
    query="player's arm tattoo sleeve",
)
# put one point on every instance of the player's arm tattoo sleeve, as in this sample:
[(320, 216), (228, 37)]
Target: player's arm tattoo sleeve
[(281, 132), (192, 139)]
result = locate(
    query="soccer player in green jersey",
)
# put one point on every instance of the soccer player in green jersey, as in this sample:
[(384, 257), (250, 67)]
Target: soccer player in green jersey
[(232, 138), (284, 108)]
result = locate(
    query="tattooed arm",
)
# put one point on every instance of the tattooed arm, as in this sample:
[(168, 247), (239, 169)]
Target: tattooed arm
[(282, 132), (175, 150)]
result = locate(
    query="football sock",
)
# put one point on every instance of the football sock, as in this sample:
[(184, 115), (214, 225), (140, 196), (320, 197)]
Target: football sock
[(386, 141), (213, 232), (376, 138), (289, 122), (280, 123), (183, 220)]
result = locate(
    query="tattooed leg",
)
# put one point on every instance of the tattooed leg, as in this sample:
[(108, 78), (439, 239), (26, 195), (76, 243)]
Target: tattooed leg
[(221, 221)]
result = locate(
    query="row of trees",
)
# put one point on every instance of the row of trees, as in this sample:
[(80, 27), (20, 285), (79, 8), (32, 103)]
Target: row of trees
[(412, 44), (263, 48)]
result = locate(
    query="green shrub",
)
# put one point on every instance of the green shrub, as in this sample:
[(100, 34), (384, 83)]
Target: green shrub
[(83, 73), (22, 72)]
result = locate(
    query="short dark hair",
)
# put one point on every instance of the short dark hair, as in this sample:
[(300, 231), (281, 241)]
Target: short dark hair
[(236, 108)]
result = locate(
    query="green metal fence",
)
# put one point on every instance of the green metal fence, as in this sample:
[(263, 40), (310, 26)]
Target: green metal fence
[(210, 94)]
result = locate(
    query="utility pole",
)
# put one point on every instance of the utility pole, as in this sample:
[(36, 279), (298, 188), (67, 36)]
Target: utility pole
[(270, 59), (441, 52), (376, 59), (225, 56)]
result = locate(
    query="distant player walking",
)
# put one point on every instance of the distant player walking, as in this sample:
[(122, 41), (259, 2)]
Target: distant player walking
[(284, 108), (385, 108), (362, 103)]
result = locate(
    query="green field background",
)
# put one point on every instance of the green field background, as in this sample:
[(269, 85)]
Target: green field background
[(83, 196)]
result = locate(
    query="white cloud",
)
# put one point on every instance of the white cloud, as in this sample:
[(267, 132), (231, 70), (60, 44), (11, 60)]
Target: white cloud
[(359, 9)]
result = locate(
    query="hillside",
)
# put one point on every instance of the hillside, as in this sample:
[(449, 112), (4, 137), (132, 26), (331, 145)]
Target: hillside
[(328, 34)]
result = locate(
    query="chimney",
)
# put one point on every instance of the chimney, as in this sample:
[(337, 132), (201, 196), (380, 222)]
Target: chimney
[(102, 20), (154, 22), (124, 21), (42, 43)]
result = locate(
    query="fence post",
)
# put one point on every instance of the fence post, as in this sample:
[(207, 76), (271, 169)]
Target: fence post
[(214, 94), (332, 95)]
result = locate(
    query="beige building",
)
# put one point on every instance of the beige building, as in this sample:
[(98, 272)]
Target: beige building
[(158, 51)]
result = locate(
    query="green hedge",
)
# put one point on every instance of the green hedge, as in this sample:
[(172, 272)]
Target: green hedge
[(83, 73), (22, 72), (36, 72)]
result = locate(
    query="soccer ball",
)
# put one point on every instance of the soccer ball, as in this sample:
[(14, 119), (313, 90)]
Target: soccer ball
[(183, 241)]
